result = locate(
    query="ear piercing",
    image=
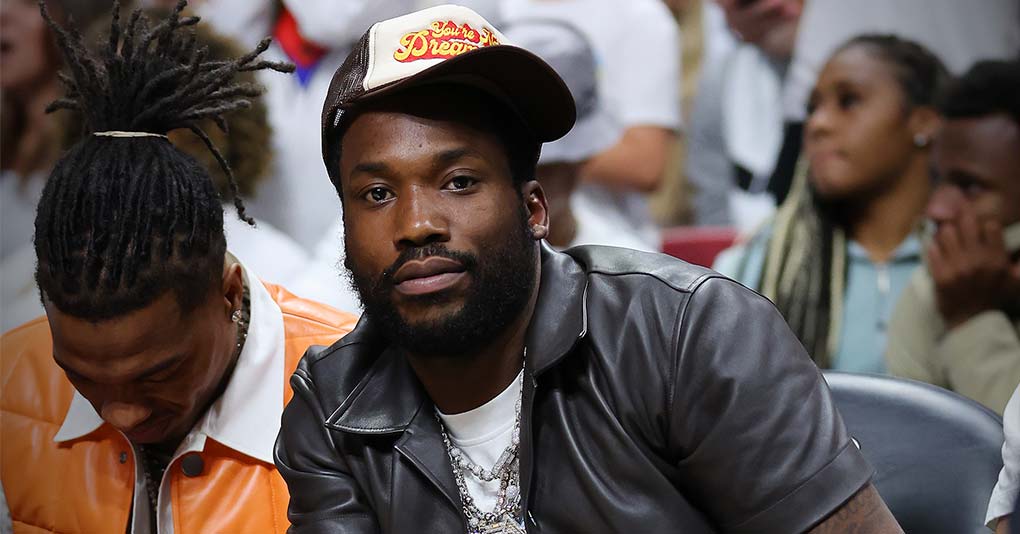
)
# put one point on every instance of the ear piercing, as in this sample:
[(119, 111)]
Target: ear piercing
[(921, 140), (236, 316)]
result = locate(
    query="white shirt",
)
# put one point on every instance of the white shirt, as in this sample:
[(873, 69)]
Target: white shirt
[(18, 199), (245, 418), (958, 32), (1006, 489), (483, 434), (19, 295), (272, 254), (637, 52)]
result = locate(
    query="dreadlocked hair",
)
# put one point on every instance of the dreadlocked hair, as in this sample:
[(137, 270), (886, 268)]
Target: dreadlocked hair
[(805, 264), (123, 220)]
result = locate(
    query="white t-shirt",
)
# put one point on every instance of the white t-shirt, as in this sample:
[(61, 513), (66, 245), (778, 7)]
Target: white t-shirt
[(637, 52), (276, 257), (1005, 492), (483, 434), (18, 199)]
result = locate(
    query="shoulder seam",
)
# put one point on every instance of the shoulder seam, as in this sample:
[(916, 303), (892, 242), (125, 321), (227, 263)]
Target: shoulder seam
[(689, 288)]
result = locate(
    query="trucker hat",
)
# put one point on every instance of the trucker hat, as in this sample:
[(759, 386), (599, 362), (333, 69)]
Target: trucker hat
[(446, 44)]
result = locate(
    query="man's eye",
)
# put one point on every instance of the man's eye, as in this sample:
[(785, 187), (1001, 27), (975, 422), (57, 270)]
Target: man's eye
[(458, 183), (848, 100), (378, 195), (970, 188)]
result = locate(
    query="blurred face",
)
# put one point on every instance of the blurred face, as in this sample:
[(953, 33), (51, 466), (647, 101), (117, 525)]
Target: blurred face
[(977, 161), (27, 56), (858, 136), (771, 25), (441, 245), (153, 372)]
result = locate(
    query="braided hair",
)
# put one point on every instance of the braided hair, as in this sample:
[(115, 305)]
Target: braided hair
[(123, 220), (806, 260)]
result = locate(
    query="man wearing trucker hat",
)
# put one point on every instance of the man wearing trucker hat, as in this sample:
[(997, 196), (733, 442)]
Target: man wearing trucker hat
[(495, 385)]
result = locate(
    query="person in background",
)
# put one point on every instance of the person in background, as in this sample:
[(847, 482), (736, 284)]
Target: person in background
[(958, 33), (958, 323), (636, 45), (148, 398), (30, 140), (839, 251), (569, 53), (671, 204), (736, 126), (1001, 505)]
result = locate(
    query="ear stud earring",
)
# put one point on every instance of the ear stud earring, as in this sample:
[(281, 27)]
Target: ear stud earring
[(920, 140), (236, 316)]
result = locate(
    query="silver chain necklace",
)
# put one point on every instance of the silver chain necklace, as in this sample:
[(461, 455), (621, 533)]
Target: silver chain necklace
[(503, 518)]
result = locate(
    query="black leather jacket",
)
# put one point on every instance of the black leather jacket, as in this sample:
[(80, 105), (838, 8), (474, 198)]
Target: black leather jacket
[(658, 397)]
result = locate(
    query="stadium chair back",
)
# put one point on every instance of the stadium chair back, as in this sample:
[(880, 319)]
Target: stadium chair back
[(936, 454)]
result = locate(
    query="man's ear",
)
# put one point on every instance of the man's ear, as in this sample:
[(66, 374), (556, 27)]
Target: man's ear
[(537, 208), (232, 287)]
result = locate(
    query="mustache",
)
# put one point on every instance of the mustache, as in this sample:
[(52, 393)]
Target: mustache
[(469, 261)]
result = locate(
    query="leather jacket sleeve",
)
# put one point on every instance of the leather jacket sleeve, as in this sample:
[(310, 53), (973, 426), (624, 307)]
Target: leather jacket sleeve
[(324, 497), (758, 437)]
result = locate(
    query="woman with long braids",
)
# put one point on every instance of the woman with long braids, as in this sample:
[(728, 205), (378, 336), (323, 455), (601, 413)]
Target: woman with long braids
[(149, 397), (841, 248)]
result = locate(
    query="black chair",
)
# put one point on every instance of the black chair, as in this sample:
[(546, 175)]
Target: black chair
[(936, 454)]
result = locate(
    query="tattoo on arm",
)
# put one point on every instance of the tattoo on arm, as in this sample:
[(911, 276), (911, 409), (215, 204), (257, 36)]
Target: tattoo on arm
[(864, 513)]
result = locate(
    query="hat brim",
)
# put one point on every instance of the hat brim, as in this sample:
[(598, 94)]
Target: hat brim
[(517, 77)]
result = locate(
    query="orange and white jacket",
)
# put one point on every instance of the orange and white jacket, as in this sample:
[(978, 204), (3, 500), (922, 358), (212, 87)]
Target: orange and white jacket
[(64, 470)]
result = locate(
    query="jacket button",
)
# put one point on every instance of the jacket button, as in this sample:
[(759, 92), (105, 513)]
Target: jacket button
[(192, 465), (123, 457)]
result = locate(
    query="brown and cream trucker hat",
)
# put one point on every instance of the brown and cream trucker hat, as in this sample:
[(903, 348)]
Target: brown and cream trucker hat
[(446, 44)]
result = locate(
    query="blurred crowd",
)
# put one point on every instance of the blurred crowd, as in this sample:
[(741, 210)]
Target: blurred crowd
[(863, 157)]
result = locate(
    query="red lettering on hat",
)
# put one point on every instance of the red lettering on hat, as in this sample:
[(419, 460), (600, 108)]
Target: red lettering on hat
[(443, 40)]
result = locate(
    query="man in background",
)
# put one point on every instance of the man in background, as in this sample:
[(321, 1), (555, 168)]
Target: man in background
[(957, 323)]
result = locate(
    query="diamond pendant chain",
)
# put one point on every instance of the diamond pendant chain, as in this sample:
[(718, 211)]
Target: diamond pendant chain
[(503, 519)]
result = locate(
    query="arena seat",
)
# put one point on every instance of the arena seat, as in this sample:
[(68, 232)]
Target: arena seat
[(697, 244), (936, 454)]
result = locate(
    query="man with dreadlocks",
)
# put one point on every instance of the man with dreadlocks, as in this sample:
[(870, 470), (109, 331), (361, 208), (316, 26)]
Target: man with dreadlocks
[(149, 397)]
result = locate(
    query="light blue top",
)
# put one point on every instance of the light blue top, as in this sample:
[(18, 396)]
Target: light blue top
[(872, 290)]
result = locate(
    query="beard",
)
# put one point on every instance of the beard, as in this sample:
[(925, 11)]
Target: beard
[(502, 280)]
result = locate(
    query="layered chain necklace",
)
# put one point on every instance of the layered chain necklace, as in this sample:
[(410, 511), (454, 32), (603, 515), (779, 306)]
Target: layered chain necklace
[(504, 516)]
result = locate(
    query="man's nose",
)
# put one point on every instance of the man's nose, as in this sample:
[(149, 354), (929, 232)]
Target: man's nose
[(944, 203), (420, 221), (124, 416)]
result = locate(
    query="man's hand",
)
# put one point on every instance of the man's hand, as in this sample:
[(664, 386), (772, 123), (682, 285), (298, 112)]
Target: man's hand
[(971, 269)]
